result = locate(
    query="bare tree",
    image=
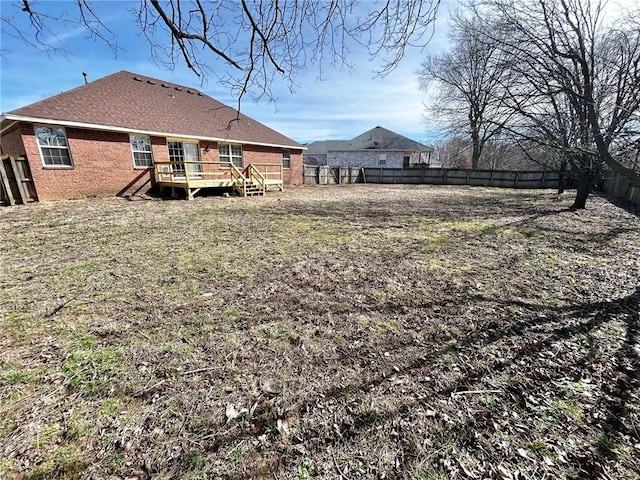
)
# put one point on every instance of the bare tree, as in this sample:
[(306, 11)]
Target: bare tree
[(452, 152), (577, 81), (247, 44), (468, 80)]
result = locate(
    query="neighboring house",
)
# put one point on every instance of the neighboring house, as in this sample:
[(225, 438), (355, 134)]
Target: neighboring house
[(126, 133), (377, 147)]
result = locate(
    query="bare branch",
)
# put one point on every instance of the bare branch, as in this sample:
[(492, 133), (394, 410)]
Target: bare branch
[(250, 47)]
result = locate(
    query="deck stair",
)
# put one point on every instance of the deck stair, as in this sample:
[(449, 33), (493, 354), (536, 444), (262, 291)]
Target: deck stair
[(248, 182), (248, 189)]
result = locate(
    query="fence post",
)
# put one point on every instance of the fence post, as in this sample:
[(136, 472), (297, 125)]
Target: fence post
[(444, 176), (515, 182), (630, 191)]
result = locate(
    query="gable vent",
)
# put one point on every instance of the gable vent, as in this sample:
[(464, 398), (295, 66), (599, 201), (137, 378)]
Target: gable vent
[(150, 82)]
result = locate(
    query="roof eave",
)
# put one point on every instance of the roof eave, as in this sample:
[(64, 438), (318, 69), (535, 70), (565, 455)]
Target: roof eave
[(382, 150), (110, 128)]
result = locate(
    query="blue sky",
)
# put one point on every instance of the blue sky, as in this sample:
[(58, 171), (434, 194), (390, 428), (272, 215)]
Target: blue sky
[(341, 106)]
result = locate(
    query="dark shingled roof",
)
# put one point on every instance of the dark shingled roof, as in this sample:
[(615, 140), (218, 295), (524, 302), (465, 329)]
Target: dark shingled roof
[(323, 146), (377, 138), (129, 101)]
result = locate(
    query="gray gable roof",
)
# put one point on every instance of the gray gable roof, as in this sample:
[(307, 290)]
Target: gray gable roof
[(323, 146), (377, 138)]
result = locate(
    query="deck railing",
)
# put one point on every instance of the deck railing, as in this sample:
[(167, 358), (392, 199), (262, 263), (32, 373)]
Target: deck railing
[(192, 176), (185, 172), (272, 173)]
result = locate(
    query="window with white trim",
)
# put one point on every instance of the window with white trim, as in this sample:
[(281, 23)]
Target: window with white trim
[(382, 159), (286, 158), (141, 149), (54, 148), (229, 153)]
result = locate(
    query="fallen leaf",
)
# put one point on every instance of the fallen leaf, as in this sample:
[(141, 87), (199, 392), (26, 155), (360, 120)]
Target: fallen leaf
[(232, 412)]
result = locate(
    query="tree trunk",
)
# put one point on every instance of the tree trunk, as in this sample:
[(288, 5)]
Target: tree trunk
[(562, 175), (561, 183), (582, 192), (476, 151)]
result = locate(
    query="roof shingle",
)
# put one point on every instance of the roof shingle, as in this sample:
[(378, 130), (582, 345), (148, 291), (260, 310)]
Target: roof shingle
[(129, 101), (377, 138)]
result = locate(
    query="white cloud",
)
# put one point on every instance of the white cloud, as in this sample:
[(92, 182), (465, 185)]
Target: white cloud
[(342, 106)]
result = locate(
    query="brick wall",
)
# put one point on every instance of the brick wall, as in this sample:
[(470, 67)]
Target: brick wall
[(314, 158), (364, 159), (257, 154), (11, 142), (102, 165)]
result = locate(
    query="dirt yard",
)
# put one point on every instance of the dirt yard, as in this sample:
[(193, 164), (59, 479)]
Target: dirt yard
[(321, 333)]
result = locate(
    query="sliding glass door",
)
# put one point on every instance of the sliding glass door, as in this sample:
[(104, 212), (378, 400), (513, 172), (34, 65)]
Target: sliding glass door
[(184, 152)]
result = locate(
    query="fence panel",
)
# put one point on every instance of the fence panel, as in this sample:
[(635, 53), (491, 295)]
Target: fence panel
[(16, 183), (621, 187), (327, 175), (323, 175)]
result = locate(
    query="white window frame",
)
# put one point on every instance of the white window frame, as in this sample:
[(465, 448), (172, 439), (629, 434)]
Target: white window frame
[(286, 158), (228, 156), (382, 159), (59, 147), (134, 151)]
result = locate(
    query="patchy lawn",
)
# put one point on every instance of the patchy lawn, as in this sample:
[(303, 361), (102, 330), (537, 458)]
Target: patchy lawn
[(338, 333)]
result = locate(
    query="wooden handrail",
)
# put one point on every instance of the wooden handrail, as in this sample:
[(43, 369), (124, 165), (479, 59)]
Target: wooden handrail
[(238, 176), (256, 176)]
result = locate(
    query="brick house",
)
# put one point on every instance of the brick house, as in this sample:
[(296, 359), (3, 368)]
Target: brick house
[(377, 147), (127, 133)]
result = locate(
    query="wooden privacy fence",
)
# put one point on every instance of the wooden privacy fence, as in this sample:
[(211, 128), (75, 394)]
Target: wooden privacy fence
[(326, 175), (16, 184), (621, 187), (323, 175)]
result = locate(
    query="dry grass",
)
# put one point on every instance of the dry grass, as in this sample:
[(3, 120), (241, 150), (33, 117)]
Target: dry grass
[(345, 332)]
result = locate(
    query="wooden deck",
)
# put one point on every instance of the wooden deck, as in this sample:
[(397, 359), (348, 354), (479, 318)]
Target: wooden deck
[(254, 179)]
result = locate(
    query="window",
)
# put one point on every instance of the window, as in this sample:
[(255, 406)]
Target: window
[(54, 148), (141, 148), (382, 159), (286, 158), (406, 160), (230, 154)]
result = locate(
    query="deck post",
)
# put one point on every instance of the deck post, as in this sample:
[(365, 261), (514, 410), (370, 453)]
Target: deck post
[(186, 179)]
